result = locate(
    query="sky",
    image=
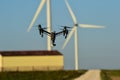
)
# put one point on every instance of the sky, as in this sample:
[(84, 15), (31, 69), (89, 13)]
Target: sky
[(98, 48)]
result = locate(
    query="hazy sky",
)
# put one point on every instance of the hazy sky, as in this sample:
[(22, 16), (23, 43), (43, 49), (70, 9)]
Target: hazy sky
[(98, 48)]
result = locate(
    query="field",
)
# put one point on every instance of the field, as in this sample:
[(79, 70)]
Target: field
[(110, 74), (56, 75), (41, 75)]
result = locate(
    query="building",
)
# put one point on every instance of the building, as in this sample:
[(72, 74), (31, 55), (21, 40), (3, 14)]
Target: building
[(31, 60)]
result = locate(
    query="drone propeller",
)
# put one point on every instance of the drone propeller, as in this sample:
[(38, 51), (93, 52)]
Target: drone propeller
[(44, 28), (66, 26), (35, 26), (41, 27), (63, 29)]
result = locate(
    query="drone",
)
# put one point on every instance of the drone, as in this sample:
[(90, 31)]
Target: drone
[(54, 34)]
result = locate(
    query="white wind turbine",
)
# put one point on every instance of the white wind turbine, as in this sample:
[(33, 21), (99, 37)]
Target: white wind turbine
[(74, 30), (48, 19)]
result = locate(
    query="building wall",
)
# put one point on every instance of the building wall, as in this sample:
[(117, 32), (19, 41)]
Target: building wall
[(23, 63), (0, 62)]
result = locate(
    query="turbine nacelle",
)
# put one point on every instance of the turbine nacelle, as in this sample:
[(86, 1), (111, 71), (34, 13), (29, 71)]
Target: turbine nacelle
[(76, 25)]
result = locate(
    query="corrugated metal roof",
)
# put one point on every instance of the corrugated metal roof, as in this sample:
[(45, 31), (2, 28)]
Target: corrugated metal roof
[(29, 53)]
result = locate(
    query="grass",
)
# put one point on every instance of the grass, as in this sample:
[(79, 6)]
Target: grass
[(113, 72), (41, 75), (107, 74), (104, 75)]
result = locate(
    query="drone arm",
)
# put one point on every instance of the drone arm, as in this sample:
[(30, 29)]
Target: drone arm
[(59, 33), (47, 32)]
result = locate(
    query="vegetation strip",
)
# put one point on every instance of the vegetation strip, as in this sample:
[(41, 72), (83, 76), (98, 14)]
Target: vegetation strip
[(110, 74), (41, 75)]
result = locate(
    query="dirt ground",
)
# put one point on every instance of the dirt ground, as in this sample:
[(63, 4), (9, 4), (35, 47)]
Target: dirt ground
[(90, 75), (115, 78)]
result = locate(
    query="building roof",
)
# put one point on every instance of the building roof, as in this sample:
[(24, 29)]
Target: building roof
[(29, 53)]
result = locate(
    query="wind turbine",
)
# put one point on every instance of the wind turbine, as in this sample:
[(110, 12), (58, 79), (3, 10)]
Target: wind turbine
[(49, 23), (75, 31)]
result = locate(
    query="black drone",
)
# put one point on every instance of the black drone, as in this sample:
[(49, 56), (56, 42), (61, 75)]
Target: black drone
[(53, 34)]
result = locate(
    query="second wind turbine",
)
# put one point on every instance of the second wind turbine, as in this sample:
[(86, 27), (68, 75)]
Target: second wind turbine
[(75, 31)]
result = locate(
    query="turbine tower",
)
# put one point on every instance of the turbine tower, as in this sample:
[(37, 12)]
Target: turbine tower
[(75, 31), (49, 23)]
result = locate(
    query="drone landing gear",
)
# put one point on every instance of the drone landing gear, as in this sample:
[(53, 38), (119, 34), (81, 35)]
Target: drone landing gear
[(54, 44)]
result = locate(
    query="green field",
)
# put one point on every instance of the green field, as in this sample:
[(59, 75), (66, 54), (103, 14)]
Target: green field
[(55, 75), (109, 74), (41, 75)]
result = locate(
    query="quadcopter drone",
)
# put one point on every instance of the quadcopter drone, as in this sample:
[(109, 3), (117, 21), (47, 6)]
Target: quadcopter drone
[(54, 34)]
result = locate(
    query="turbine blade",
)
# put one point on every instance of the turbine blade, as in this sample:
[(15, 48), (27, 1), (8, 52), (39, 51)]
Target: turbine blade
[(71, 12), (68, 38), (36, 14), (90, 26)]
